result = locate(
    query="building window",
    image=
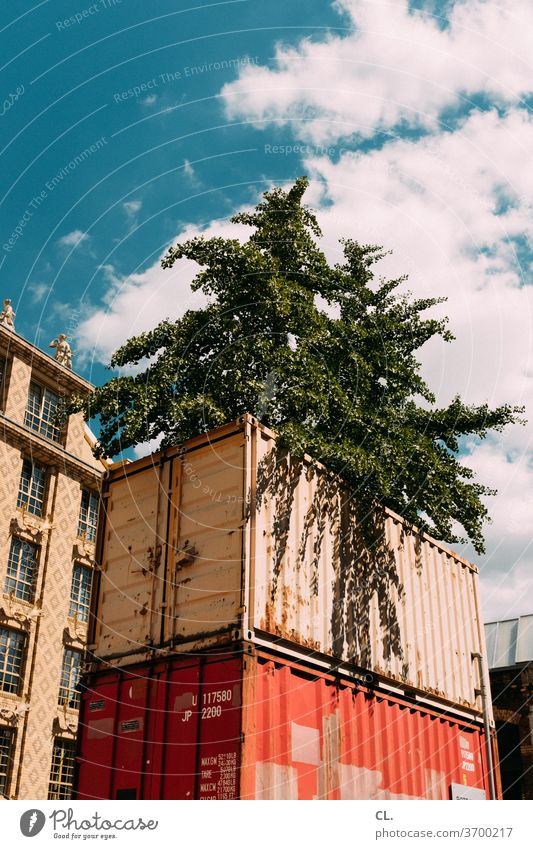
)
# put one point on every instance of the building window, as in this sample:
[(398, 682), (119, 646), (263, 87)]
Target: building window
[(21, 570), (41, 410), (11, 656), (69, 694), (88, 515), (62, 770), (80, 592), (32, 488), (6, 757)]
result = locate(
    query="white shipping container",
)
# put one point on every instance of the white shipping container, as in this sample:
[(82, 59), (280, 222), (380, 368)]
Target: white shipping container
[(227, 538)]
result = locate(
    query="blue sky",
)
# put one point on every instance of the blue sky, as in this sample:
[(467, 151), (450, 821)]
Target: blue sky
[(78, 81), (125, 126)]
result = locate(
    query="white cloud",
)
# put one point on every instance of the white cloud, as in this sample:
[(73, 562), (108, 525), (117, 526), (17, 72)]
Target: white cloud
[(150, 447), (73, 239), (190, 173), (132, 207), (435, 203), (38, 291), (394, 66), (137, 302), (506, 591), (507, 567)]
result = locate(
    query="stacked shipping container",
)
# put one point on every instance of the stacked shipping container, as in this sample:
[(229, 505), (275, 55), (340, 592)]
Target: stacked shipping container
[(246, 644)]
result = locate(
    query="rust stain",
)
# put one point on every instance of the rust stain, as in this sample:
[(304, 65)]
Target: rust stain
[(186, 554), (285, 604), (153, 557)]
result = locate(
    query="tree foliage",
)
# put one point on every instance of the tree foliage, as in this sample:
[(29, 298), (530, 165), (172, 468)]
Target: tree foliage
[(325, 355)]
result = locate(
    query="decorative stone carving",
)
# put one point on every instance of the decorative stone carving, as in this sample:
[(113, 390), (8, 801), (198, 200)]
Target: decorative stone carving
[(83, 551), (72, 639), (24, 524), (17, 615), (63, 725), (63, 350), (13, 713), (7, 316)]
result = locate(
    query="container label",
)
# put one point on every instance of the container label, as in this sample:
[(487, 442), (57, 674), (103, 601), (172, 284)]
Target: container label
[(461, 792), (218, 776), (467, 757), (99, 705), (130, 725)]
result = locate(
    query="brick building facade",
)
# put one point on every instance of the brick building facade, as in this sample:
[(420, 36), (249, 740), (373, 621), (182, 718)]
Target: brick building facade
[(49, 487)]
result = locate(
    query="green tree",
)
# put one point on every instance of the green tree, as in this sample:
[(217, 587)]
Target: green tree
[(326, 356)]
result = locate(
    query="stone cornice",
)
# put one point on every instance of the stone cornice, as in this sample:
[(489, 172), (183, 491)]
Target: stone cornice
[(58, 373), (51, 453)]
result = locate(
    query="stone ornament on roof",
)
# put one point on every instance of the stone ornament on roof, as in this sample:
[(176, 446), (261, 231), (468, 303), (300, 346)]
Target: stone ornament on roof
[(63, 350), (7, 315)]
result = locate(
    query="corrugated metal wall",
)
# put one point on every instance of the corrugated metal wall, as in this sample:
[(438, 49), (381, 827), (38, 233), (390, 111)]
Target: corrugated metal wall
[(256, 726), (308, 736), (410, 611)]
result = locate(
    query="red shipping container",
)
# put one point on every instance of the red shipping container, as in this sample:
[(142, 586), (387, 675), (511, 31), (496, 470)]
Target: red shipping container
[(252, 725)]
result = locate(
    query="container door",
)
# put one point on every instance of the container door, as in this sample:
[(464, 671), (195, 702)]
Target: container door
[(95, 758), (135, 697), (220, 731), (170, 762), (193, 732)]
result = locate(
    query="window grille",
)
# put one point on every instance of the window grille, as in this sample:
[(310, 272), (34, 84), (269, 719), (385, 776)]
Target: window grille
[(11, 657), (88, 515), (32, 488), (21, 570), (62, 769), (6, 757), (69, 694), (40, 412), (80, 592)]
